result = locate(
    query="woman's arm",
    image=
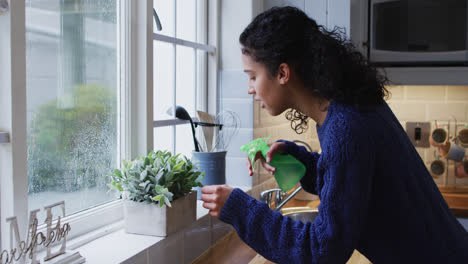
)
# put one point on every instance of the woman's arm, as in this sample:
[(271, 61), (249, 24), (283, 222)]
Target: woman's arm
[(309, 159), (331, 238)]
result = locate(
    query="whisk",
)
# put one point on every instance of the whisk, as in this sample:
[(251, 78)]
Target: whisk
[(231, 123)]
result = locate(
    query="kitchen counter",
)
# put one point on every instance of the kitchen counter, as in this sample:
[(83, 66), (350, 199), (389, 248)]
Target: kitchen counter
[(457, 199)]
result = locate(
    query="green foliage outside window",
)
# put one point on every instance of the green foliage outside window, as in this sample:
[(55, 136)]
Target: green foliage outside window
[(73, 148)]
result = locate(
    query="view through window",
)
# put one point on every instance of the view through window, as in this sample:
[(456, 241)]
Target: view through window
[(72, 101)]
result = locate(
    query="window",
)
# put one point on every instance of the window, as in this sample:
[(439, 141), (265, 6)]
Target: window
[(77, 99), (180, 64), (72, 97), (62, 103)]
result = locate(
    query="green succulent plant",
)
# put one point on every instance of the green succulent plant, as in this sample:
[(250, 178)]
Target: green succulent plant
[(159, 177)]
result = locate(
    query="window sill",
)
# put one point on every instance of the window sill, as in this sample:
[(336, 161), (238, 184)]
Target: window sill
[(116, 246)]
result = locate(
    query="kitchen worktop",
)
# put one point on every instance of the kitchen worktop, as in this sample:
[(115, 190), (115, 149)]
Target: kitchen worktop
[(457, 199)]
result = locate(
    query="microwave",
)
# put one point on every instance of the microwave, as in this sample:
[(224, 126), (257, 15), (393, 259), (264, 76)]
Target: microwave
[(418, 32)]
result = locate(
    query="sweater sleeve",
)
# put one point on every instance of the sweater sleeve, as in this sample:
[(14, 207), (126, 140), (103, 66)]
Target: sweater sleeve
[(330, 238), (309, 159)]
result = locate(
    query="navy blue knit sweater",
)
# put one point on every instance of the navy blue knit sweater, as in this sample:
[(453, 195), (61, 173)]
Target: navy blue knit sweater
[(376, 196)]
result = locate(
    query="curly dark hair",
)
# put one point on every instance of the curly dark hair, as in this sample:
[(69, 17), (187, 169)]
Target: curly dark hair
[(325, 61)]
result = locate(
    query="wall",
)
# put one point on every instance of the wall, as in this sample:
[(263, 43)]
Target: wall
[(431, 103), (235, 16), (409, 103), (329, 13), (233, 81), (276, 127)]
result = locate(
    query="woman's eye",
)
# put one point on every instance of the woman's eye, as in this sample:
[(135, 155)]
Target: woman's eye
[(252, 78)]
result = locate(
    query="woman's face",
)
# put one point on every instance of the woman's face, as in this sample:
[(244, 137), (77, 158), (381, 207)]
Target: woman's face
[(264, 87)]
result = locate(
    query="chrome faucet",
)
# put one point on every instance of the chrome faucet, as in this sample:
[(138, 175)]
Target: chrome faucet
[(281, 197), (265, 196)]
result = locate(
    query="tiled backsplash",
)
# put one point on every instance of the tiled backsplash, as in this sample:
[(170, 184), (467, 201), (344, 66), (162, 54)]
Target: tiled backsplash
[(277, 127), (409, 103), (235, 98), (431, 103)]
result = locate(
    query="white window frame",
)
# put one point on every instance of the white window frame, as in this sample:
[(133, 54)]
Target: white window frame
[(205, 66), (13, 155), (136, 110), (106, 217)]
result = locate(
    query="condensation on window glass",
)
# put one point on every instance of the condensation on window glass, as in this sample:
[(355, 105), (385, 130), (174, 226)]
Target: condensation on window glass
[(163, 79), (165, 11), (72, 132), (186, 19), (163, 138), (185, 76)]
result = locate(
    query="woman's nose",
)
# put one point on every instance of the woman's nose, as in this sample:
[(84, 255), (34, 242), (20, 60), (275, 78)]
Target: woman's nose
[(250, 90)]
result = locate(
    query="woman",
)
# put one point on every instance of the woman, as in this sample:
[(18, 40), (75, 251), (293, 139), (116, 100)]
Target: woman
[(376, 194)]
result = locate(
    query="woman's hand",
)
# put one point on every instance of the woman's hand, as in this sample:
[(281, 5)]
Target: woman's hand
[(214, 197), (277, 147)]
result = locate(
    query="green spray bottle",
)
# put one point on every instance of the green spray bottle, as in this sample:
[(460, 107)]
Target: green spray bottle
[(289, 171)]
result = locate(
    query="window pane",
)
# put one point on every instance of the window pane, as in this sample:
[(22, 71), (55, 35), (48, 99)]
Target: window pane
[(186, 19), (163, 67), (184, 143), (185, 75), (165, 11), (71, 63), (164, 138)]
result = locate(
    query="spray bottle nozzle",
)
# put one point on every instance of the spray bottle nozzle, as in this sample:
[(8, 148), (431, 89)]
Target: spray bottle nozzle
[(254, 146), (289, 170)]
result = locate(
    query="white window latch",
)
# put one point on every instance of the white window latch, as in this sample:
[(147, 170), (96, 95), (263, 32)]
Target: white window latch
[(3, 6), (4, 137)]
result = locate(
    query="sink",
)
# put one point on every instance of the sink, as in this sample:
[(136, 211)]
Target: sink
[(303, 214)]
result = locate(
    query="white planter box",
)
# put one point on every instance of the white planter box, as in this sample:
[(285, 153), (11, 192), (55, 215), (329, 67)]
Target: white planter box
[(150, 219)]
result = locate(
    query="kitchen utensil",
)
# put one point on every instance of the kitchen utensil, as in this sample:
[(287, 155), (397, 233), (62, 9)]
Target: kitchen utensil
[(463, 137), (439, 137), (289, 171), (181, 113), (452, 151), (213, 164), (462, 169), (207, 130), (231, 123), (437, 168)]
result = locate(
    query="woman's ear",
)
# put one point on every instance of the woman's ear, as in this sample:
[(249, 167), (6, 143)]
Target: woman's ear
[(284, 73)]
